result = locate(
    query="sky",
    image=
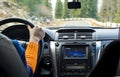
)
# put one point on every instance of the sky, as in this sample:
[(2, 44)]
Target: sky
[(99, 5)]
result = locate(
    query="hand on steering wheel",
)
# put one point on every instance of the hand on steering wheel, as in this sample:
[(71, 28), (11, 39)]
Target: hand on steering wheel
[(36, 34), (39, 35)]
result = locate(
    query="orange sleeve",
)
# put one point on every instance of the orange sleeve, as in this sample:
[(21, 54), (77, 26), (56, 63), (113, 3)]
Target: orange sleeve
[(31, 54)]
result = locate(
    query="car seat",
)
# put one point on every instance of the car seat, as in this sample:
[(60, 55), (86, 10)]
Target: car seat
[(11, 64), (109, 63)]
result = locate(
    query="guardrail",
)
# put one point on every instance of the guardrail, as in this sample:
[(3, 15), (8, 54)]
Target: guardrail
[(93, 22)]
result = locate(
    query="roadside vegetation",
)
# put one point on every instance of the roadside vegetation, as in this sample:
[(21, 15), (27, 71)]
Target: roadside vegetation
[(41, 10)]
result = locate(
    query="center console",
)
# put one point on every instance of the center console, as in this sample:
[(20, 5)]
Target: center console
[(72, 59), (74, 52)]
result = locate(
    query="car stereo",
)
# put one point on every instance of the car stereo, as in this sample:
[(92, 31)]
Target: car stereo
[(75, 52), (71, 59)]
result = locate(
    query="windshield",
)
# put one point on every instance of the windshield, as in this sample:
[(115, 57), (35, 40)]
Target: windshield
[(55, 13)]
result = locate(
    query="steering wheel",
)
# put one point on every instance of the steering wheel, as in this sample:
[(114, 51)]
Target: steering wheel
[(26, 23), (20, 20)]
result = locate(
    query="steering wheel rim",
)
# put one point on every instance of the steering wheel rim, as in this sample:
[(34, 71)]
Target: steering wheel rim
[(26, 22), (20, 20)]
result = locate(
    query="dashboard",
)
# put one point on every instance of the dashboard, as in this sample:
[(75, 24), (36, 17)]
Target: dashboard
[(68, 51), (75, 51)]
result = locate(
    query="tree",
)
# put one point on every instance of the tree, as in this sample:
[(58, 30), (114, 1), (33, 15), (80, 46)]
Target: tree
[(29, 4), (44, 9), (48, 6), (116, 14), (88, 8), (37, 8), (66, 11), (75, 13), (58, 9), (104, 11), (110, 12), (47, 3)]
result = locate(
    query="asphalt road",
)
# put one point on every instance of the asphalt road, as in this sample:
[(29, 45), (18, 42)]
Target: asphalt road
[(77, 24)]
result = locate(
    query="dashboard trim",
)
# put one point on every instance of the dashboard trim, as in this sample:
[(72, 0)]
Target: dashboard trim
[(53, 54)]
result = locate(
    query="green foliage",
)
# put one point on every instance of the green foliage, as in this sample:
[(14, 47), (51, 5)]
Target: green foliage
[(29, 4), (105, 12), (75, 13), (110, 12), (117, 12), (88, 8), (38, 8), (58, 9), (45, 9), (66, 11), (47, 3)]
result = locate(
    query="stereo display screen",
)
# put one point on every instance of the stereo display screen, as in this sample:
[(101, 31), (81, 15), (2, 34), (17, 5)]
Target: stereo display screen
[(75, 51)]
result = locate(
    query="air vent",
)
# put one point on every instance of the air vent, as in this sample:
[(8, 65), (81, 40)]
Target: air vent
[(84, 35), (66, 36)]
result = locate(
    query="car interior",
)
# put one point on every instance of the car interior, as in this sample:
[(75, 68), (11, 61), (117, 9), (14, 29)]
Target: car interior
[(65, 51)]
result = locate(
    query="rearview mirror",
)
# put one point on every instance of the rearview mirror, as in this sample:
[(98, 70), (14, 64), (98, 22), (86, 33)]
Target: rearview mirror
[(74, 5)]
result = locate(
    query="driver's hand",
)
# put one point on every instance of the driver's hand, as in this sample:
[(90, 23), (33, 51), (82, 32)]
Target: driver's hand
[(36, 34)]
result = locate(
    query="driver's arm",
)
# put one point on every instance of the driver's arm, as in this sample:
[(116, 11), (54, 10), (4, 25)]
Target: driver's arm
[(31, 53)]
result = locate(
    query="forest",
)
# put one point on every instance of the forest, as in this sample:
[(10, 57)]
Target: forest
[(109, 12)]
